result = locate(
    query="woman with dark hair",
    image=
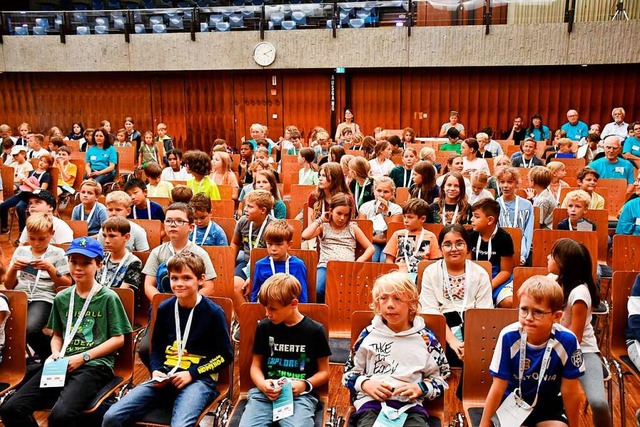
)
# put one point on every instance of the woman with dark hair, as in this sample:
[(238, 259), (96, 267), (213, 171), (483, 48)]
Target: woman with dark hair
[(537, 130), (101, 158), (454, 284), (348, 123), (77, 131)]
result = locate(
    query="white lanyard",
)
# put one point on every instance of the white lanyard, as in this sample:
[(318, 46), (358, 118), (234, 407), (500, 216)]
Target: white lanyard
[(420, 193), (152, 152), (264, 224), (181, 341), (522, 362), (557, 195), (404, 180), (444, 215), (105, 269), (524, 162), (39, 177), (135, 213), (273, 266), (360, 194), (448, 288), (489, 248), (204, 237), (415, 250), (91, 212), (505, 214), (70, 332), (305, 177)]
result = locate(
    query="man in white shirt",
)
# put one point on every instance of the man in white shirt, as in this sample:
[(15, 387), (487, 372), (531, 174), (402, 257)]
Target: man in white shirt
[(618, 126)]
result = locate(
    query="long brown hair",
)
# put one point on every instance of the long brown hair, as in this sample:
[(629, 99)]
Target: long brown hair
[(463, 205), (427, 189), (335, 177)]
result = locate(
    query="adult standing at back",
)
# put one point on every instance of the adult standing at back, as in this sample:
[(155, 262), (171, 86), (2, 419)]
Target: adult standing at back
[(612, 166), (618, 126), (575, 128), (454, 116), (348, 123)]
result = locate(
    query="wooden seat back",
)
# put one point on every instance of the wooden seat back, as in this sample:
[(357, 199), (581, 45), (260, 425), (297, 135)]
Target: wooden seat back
[(616, 194), (14, 365), (141, 311), (154, 228), (223, 260), (563, 193), (516, 238), (348, 288), (621, 284), (308, 257), (126, 159), (482, 328), (162, 201), (223, 208), (435, 322), (7, 173), (572, 166), (402, 195), (226, 192), (601, 218), (228, 225), (520, 274), (626, 253), (252, 313), (299, 196), (289, 178), (422, 265), (366, 225), (80, 228), (543, 241)]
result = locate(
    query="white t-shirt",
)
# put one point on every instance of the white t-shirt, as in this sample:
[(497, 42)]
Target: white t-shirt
[(369, 210), (472, 198), (62, 233), (169, 174), (477, 164), (581, 293), (137, 241), (381, 169)]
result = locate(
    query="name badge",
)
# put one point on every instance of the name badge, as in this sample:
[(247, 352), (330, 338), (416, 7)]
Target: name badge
[(637, 221), (283, 405), (457, 332), (635, 147), (584, 226), (513, 411), (379, 224), (54, 373), (619, 169), (389, 417), (93, 157)]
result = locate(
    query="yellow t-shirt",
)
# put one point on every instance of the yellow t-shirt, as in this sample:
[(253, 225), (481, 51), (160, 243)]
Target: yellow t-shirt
[(205, 186), (71, 170)]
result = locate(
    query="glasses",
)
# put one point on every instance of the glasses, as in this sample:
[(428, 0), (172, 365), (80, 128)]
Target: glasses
[(459, 245), (176, 222), (537, 314)]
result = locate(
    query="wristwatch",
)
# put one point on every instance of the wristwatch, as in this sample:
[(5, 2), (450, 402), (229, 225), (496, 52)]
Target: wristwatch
[(86, 357)]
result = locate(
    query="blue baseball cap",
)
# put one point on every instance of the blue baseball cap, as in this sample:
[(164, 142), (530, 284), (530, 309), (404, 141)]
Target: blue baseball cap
[(86, 246)]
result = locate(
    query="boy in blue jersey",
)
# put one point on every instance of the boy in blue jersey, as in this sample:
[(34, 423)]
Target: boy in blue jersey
[(186, 356), (549, 351), (279, 236), (206, 232)]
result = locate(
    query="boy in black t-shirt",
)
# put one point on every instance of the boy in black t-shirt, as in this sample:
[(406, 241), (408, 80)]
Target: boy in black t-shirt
[(288, 347), (487, 236)]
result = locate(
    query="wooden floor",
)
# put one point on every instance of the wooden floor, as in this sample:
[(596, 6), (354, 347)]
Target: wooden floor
[(339, 396)]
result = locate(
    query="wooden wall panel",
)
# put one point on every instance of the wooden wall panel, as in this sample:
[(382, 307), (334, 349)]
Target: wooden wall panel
[(307, 101), (199, 107), (208, 109), (376, 100)]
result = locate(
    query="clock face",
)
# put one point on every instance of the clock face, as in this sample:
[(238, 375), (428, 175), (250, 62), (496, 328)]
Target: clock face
[(264, 54)]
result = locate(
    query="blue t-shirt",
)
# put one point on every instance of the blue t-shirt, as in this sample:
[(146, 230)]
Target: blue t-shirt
[(537, 135), (215, 237), (97, 218), (575, 133), (632, 146), (100, 158), (262, 271), (566, 361), (629, 221), (156, 212), (620, 169)]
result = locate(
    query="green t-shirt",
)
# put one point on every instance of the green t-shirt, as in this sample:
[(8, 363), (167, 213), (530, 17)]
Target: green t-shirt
[(105, 318), (451, 147)]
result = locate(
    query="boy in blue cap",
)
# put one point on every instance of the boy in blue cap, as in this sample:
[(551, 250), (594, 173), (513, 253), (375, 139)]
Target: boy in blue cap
[(89, 324)]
